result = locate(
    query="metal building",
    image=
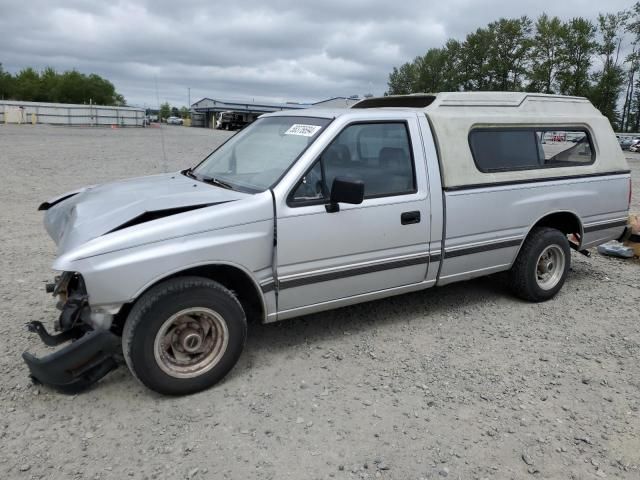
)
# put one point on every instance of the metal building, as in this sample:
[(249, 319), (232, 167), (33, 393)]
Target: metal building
[(204, 111), (337, 102), (70, 114)]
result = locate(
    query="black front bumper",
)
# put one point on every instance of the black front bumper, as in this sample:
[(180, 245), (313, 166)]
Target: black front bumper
[(76, 366)]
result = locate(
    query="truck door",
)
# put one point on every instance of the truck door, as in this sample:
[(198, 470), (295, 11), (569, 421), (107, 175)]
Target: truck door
[(379, 245)]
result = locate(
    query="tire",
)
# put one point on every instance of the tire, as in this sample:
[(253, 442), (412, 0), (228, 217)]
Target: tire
[(536, 278), (164, 326)]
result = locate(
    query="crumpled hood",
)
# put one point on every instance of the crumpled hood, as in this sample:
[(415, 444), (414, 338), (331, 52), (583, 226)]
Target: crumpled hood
[(97, 210)]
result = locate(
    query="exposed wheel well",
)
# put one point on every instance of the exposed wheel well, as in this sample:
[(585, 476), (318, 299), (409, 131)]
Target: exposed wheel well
[(566, 222), (230, 277)]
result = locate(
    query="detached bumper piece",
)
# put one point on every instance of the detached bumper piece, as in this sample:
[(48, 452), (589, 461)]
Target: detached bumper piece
[(76, 366), (54, 340)]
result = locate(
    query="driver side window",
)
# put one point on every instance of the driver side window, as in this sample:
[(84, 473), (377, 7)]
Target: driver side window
[(379, 154)]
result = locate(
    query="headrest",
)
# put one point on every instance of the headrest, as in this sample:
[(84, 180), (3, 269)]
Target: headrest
[(392, 157), (336, 154)]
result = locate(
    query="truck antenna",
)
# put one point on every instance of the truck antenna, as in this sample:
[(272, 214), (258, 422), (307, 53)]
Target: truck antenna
[(164, 152)]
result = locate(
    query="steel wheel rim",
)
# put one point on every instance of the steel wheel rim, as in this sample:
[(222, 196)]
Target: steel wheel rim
[(550, 267), (191, 342)]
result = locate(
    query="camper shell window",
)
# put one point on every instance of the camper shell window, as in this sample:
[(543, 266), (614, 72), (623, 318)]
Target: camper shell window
[(505, 149)]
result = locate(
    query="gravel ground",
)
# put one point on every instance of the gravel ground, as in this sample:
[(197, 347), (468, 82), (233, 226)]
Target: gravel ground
[(462, 382)]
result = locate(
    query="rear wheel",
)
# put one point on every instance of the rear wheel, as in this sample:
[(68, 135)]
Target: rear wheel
[(542, 265), (184, 335)]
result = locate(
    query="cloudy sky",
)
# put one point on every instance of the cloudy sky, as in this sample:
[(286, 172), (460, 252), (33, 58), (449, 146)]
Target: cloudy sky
[(283, 50)]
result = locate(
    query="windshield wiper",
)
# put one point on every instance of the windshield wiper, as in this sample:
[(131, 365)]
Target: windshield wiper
[(217, 182), (189, 173), (204, 178)]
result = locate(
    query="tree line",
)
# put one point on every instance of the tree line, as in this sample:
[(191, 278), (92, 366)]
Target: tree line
[(48, 85), (599, 60), (166, 111)]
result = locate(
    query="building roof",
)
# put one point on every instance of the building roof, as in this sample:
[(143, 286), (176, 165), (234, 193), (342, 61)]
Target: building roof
[(216, 105), (209, 104)]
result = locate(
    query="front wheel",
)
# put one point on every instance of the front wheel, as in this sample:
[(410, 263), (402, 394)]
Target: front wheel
[(542, 265), (184, 335)]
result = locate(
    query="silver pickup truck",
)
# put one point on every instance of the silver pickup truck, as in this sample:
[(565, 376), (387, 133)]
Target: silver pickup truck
[(311, 210)]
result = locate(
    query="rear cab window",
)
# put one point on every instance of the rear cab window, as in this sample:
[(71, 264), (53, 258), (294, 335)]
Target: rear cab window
[(503, 149)]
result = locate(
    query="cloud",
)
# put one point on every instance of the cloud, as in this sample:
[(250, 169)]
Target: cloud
[(278, 49)]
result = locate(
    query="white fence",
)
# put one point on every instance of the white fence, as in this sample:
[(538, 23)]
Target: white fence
[(69, 114)]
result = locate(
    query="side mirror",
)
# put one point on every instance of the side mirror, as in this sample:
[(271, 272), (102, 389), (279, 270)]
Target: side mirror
[(345, 190)]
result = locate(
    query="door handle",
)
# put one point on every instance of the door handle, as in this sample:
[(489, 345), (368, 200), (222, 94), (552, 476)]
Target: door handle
[(408, 218)]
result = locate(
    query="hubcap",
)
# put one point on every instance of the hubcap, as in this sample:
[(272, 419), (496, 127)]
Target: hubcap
[(550, 267), (191, 342)]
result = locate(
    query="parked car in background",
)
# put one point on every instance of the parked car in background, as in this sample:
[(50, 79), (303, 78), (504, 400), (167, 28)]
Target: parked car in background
[(635, 145), (174, 121), (625, 142), (311, 210)]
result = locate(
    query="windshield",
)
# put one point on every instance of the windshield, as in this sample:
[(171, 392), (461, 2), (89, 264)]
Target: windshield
[(255, 158)]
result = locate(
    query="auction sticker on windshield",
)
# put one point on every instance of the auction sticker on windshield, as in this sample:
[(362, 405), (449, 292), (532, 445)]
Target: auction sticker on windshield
[(303, 130)]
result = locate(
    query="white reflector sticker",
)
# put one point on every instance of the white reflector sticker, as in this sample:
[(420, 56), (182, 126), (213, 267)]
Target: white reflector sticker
[(303, 130)]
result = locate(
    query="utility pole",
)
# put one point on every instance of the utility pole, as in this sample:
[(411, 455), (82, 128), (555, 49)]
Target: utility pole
[(189, 97)]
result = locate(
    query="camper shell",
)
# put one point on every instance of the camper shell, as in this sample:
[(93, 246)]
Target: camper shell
[(310, 210)]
